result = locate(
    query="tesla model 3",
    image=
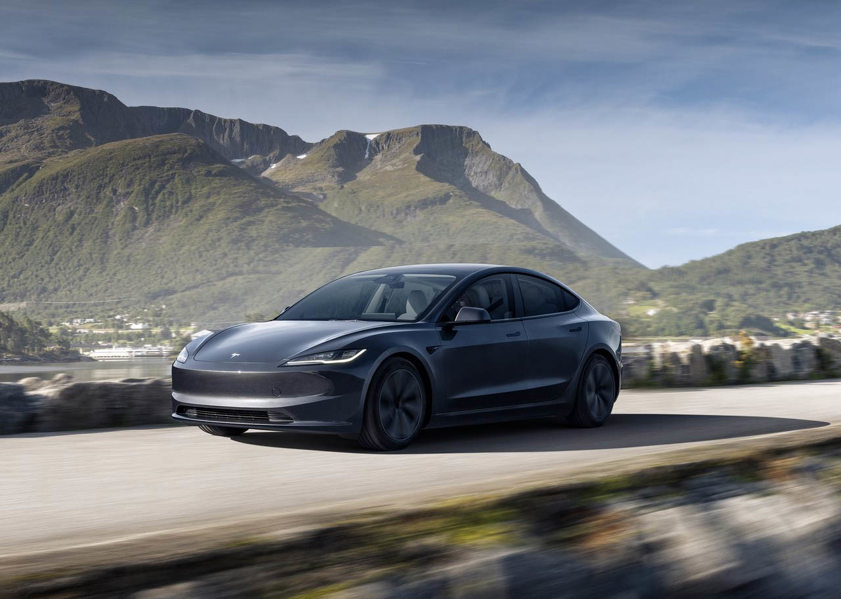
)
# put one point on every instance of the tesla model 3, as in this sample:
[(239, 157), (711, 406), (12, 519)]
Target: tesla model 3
[(382, 354)]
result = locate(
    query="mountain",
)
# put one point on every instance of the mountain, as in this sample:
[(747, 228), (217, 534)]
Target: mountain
[(39, 119), (131, 207), (215, 217), (435, 183)]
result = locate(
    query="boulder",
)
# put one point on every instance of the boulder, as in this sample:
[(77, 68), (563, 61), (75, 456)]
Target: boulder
[(830, 349), (32, 383), (698, 372), (760, 365), (669, 369), (18, 411), (62, 378), (804, 360), (721, 358), (782, 361), (636, 369), (100, 404)]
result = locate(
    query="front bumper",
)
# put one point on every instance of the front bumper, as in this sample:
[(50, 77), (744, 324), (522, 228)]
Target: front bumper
[(305, 398)]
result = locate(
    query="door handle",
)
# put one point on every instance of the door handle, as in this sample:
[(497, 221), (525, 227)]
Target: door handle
[(514, 334), (575, 330)]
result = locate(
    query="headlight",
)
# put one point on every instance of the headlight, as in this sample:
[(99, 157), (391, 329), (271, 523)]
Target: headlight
[(342, 356), (182, 355), (192, 347)]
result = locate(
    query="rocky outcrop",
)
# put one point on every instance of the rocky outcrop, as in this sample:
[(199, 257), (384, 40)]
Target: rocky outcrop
[(37, 405), (723, 361), (829, 353), (43, 118), (18, 411)]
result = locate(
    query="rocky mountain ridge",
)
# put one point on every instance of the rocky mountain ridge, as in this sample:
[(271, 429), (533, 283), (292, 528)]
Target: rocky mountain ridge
[(41, 118)]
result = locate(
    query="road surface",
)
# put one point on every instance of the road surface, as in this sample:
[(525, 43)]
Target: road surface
[(59, 491)]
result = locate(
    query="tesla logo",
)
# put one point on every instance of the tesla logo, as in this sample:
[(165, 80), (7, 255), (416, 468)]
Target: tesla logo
[(234, 356), (276, 391)]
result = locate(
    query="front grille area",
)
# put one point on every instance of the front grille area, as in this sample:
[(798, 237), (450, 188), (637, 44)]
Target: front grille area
[(275, 383), (224, 414)]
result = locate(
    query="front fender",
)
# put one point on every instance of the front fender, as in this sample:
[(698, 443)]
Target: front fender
[(397, 350)]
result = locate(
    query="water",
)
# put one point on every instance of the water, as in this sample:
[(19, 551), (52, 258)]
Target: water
[(89, 371)]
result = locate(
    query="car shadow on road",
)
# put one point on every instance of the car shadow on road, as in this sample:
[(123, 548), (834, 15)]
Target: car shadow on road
[(622, 430)]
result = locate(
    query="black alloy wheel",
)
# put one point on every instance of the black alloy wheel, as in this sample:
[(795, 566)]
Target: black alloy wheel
[(595, 395), (395, 406), (222, 431)]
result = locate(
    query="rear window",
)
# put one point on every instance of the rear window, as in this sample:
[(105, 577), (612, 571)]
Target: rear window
[(542, 297)]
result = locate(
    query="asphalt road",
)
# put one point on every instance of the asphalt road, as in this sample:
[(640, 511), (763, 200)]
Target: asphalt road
[(59, 491)]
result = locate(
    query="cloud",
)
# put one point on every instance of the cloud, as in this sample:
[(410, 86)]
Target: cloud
[(295, 69)]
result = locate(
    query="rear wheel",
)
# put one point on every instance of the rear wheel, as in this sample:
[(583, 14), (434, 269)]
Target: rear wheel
[(394, 408), (222, 431), (595, 395)]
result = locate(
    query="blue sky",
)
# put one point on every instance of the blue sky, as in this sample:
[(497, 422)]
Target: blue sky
[(675, 129)]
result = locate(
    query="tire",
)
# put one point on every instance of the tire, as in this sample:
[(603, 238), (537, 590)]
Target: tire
[(222, 431), (595, 395), (395, 407)]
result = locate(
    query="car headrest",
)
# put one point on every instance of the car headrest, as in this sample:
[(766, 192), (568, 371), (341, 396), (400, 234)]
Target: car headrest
[(415, 303)]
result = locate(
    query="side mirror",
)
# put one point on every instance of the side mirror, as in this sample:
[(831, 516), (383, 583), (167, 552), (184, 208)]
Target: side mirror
[(469, 314)]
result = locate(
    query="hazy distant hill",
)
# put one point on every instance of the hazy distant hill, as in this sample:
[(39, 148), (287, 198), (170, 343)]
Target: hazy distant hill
[(732, 290)]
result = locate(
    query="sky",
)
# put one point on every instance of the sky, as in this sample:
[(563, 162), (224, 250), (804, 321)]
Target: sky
[(676, 130)]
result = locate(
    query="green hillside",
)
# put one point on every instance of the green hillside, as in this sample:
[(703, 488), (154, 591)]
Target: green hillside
[(143, 206), (742, 287), (162, 218)]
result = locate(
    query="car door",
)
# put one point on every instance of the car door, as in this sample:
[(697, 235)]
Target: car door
[(482, 365), (557, 335)]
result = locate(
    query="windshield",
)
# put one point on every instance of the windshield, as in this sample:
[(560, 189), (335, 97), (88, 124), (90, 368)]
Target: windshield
[(371, 297)]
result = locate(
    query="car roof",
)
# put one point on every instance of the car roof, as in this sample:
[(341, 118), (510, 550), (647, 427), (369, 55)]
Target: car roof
[(453, 268)]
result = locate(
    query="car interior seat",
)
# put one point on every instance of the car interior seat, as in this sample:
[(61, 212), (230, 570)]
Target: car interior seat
[(416, 303)]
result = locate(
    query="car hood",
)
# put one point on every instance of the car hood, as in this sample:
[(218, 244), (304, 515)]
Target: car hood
[(276, 340)]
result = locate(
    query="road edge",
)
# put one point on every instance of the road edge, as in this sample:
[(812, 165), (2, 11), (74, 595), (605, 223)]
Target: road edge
[(163, 558)]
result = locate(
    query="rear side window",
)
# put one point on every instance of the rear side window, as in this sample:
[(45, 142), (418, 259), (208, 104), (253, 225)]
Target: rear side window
[(490, 293), (542, 297)]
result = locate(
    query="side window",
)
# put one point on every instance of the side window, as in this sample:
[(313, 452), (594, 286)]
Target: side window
[(491, 293), (543, 297)]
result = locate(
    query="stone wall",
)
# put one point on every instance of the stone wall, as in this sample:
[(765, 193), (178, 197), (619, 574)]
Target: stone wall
[(59, 404), (728, 361), (35, 405)]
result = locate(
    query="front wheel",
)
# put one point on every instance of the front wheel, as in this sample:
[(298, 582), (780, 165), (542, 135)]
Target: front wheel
[(222, 431), (394, 407), (595, 395)]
